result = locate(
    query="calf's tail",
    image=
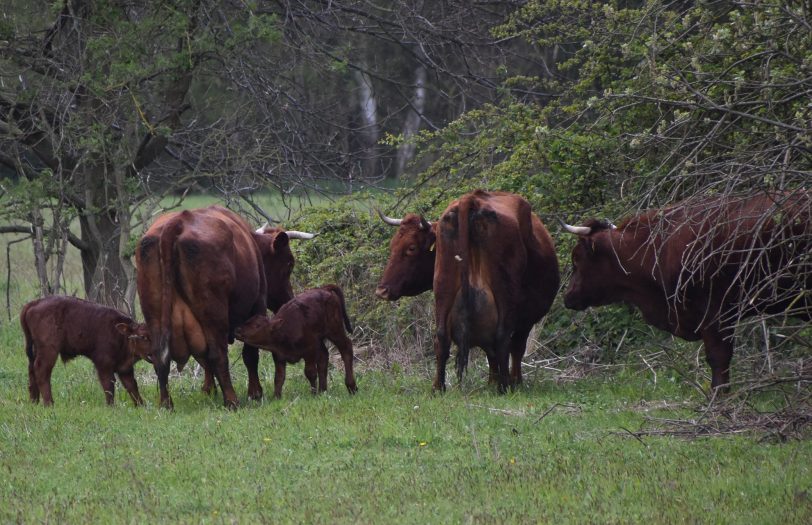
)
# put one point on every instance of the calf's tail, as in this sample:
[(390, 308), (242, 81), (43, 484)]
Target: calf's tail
[(337, 290), (29, 341)]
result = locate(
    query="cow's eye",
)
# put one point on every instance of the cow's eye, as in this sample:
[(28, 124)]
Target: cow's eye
[(411, 249)]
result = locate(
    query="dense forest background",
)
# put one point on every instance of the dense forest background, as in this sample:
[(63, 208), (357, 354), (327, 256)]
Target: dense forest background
[(111, 109)]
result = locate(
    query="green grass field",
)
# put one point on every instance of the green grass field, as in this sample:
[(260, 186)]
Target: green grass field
[(392, 453)]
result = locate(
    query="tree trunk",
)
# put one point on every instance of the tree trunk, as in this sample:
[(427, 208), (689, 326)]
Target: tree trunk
[(370, 132), (412, 124)]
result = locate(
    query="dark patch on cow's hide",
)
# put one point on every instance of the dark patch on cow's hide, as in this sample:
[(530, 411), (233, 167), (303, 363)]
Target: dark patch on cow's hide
[(146, 246), (191, 249), (480, 222), (450, 224)]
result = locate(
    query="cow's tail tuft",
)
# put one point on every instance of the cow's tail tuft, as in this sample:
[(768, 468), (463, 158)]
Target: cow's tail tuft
[(29, 341), (337, 290), (463, 256), (166, 256)]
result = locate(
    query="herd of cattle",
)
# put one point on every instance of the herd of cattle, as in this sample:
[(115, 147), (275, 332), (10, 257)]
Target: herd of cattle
[(205, 278)]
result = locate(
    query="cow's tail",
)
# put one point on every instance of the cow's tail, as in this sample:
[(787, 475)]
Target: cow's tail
[(29, 341), (166, 258), (462, 257), (337, 290)]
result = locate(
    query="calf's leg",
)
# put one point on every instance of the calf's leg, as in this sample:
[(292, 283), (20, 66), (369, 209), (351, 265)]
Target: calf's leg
[(250, 356), (108, 384), (344, 346), (33, 389), (43, 366), (310, 371), (278, 376), (128, 380), (322, 362)]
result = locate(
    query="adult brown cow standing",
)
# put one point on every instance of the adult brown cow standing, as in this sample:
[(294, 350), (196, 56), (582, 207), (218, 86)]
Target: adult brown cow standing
[(202, 273), (67, 327), (695, 269), (495, 276)]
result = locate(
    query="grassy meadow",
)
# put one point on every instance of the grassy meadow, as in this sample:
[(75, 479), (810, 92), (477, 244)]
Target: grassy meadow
[(550, 452)]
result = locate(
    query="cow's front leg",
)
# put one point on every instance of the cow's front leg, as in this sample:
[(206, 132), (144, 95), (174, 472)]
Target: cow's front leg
[(108, 384)]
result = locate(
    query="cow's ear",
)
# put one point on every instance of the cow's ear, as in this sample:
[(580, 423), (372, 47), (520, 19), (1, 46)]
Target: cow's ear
[(123, 328), (280, 241)]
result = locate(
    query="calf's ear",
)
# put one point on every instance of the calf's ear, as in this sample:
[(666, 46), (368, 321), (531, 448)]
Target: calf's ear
[(123, 328)]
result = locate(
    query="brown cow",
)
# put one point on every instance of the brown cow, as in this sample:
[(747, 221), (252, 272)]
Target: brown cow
[(495, 276), (68, 327), (202, 273), (298, 331), (695, 269)]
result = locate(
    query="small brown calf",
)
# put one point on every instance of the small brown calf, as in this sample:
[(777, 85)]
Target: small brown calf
[(298, 331), (68, 327)]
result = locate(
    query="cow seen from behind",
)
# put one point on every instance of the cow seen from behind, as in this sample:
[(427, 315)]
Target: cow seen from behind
[(298, 331), (696, 269), (202, 273), (68, 327), (495, 276)]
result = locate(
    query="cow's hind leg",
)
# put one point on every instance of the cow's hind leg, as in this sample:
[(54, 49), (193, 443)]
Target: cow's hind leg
[(518, 345), (344, 346), (209, 384), (250, 356), (162, 371), (442, 350), (108, 384), (128, 380)]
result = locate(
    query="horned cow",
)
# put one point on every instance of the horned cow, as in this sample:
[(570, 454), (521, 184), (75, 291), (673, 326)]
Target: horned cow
[(695, 269), (495, 276)]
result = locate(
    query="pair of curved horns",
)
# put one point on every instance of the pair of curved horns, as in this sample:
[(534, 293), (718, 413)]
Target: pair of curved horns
[(424, 224), (292, 234)]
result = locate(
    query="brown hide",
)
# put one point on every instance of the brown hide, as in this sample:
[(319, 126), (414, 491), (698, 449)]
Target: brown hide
[(410, 268), (200, 275), (298, 331), (68, 327), (695, 269), (495, 276)]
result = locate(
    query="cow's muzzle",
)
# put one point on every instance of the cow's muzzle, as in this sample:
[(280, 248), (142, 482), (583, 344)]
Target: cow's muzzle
[(382, 292)]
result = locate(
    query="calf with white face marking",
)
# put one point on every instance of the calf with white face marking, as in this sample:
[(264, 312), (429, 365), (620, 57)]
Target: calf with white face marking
[(298, 331), (68, 327)]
